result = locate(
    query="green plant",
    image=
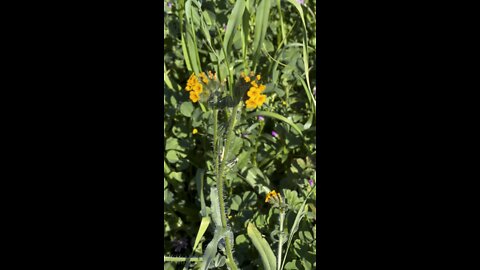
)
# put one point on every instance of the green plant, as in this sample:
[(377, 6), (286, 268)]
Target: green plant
[(238, 135)]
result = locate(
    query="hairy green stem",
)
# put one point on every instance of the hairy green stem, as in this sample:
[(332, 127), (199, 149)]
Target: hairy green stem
[(181, 259), (220, 184), (280, 239), (215, 138)]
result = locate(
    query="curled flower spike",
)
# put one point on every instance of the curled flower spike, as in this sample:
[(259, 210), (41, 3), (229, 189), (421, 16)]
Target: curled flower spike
[(194, 96), (273, 194), (204, 78), (255, 96), (201, 86)]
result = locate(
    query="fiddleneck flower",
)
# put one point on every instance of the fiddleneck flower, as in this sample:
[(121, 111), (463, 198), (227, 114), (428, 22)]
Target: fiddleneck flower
[(255, 96)]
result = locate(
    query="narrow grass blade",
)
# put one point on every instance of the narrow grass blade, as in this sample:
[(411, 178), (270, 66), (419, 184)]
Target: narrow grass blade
[(185, 52), (283, 37), (311, 99), (305, 41), (170, 84), (192, 51), (261, 25), (266, 253), (199, 177), (245, 34), (234, 21), (181, 17), (191, 42), (279, 117)]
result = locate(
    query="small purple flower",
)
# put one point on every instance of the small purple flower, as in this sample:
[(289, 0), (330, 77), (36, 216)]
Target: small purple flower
[(310, 181), (301, 2), (261, 118), (169, 5), (274, 133), (225, 27)]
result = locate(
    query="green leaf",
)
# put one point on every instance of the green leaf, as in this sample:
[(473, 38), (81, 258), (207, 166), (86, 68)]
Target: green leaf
[(171, 156), (291, 197), (186, 108), (166, 169), (293, 265), (243, 159), (235, 203), (235, 148), (212, 248), (266, 253), (167, 196), (201, 231), (197, 117), (240, 239), (306, 264), (255, 177), (178, 176), (172, 143), (215, 206)]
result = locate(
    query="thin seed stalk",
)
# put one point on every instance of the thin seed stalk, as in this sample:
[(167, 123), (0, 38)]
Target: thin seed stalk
[(220, 178), (283, 36)]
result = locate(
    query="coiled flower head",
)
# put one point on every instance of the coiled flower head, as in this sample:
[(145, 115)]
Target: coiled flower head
[(200, 86), (255, 89), (274, 196)]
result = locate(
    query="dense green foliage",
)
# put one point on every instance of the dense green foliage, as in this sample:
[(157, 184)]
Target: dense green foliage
[(270, 148)]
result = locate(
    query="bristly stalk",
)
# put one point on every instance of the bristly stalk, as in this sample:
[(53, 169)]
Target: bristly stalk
[(280, 240), (215, 137), (220, 184), (181, 259)]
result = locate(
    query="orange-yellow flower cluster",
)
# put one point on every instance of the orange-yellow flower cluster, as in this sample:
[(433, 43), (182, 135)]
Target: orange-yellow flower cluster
[(256, 98), (195, 86), (273, 194)]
